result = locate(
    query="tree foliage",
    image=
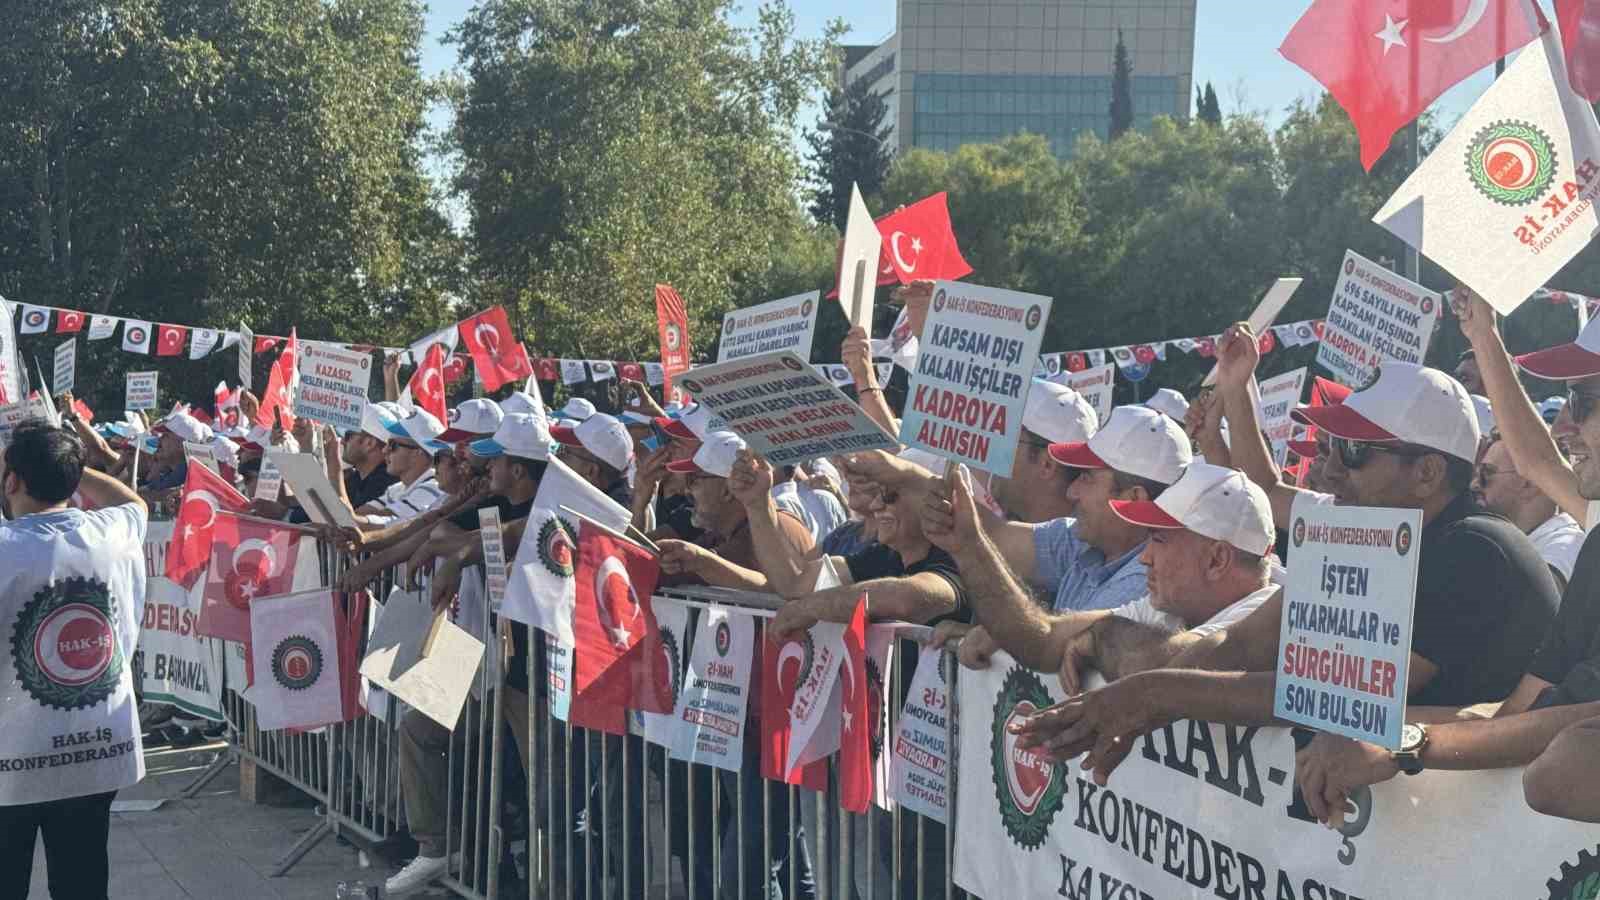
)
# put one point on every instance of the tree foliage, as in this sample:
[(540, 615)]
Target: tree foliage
[(1208, 110), (1121, 90), (850, 145)]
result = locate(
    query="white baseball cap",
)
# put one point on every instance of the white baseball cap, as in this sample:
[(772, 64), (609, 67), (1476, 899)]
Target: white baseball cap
[(1058, 413), (521, 402), (1550, 407), (600, 434), (1211, 501), (375, 420), (1136, 440), (423, 427), (576, 410), (1409, 403), (186, 427), (1485, 413), (693, 423), (1567, 362), (1170, 402), (519, 434), (474, 418), (715, 456)]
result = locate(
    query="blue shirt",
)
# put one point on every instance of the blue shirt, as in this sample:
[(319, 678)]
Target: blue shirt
[(848, 539), (1084, 580)]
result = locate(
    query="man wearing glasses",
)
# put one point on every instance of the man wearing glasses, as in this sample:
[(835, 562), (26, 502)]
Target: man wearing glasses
[(413, 441), (600, 450)]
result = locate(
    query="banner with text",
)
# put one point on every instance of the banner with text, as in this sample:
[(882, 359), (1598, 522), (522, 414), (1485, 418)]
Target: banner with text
[(333, 385), (1375, 316), (1279, 396), (173, 663), (787, 324), (140, 391), (1096, 384)]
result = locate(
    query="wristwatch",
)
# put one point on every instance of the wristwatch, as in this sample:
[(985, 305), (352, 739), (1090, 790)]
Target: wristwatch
[(1409, 757)]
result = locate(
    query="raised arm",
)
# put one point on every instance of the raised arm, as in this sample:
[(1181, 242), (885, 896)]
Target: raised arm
[(1533, 451), (102, 491), (788, 570), (917, 599), (1237, 356), (856, 354)]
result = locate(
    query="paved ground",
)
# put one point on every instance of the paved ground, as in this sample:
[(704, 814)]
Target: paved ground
[(215, 845)]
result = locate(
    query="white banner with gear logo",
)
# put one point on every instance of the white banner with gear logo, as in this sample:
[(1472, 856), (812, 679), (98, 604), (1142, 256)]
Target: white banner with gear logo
[(174, 663), (1204, 811)]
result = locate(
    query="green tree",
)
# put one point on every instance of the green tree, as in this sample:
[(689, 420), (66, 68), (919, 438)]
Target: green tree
[(850, 145), (1210, 111), (607, 147), (1121, 90)]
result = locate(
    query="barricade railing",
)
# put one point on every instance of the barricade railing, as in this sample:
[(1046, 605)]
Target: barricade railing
[(578, 814)]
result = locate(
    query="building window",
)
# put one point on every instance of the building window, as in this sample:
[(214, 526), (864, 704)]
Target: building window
[(951, 110)]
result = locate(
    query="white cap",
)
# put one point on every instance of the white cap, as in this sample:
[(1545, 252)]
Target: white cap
[(1550, 407), (187, 428), (1409, 403), (1058, 413), (693, 423), (474, 418), (1136, 440), (521, 402), (576, 410), (602, 435), (1170, 402), (375, 421), (519, 434), (1211, 501), (715, 456), (424, 428), (226, 451), (1485, 413)]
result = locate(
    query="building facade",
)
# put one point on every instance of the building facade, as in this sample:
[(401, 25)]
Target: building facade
[(971, 71)]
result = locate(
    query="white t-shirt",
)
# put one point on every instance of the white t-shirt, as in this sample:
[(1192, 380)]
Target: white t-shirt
[(407, 501), (1558, 541), (71, 586), (1145, 612), (817, 510)]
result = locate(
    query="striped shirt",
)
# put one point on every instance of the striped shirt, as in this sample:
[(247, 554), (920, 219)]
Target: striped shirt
[(1081, 576)]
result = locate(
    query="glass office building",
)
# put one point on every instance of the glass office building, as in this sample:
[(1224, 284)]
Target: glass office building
[(967, 71)]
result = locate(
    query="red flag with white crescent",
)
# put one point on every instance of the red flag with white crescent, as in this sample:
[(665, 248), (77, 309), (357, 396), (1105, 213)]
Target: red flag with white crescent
[(793, 673), (619, 657), (855, 711), (920, 243), (170, 339), (250, 558), (427, 384), (205, 494), (69, 321), (495, 350)]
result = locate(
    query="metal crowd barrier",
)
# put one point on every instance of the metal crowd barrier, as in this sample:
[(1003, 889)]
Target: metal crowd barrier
[(593, 815)]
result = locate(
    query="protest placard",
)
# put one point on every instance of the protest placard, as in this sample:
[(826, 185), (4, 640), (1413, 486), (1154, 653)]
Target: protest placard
[(309, 480), (1265, 313), (247, 354), (1278, 398), (787, 324), (65, 377), (269, 481), (174, 663), (709, 718), (858, 263), (494, 555), (1096, 384), (140, 391), (784, 408), (1375, 316), (972, 377), (333, 385), (1344, 642), (919, 762), (204, 454), (422, 657)]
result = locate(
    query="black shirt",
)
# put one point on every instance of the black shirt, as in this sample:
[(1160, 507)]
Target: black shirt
[(467, 519), (1569, 658), (879, 561), (365, 490), (1485, 601), (517, 668)]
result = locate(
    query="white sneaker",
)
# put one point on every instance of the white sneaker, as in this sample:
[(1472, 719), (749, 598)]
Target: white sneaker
[(418, 873)]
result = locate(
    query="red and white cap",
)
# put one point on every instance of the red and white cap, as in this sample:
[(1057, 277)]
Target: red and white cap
[(715, 456), (1058, 413), (1136, 440), (472, 419), (1567, 362), (692, 424), (1211, 501), (1409, 403), (602, 435)]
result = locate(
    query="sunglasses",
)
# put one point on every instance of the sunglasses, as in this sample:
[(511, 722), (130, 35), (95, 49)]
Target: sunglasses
[(1355, 454), (398, 445), (1580, 404)]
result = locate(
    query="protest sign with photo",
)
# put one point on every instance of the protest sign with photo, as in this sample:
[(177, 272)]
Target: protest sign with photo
[(785, 409), (65, 377), (787, 324), (1375, 316), (1279, 395), (1344, 645), (972, 377), (140, 391), (333, 385)]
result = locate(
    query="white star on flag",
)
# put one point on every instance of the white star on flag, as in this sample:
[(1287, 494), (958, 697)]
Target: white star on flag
[(1391, 33)]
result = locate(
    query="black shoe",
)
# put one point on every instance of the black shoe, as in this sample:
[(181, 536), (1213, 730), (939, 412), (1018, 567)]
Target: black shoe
[(181, 738), (215, 732), (396, 848)]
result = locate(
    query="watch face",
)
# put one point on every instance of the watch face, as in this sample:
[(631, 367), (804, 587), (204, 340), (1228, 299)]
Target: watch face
[(1411, 737)]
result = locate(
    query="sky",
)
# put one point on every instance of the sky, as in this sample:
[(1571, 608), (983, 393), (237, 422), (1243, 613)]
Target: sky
[(1236, 49)]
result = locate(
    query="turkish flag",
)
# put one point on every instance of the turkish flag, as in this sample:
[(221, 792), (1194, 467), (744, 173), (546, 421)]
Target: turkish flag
[(250, 558), (1077, 362), (919, 243), (265, 343), (495, 350), (1386, 60), (278, 399), (221, 396), (785, 667), (672, 326), (454, 368), (631, 371), (855, 708), (427, 384), (1580, 36), (1267, 342), (169, 339), (620, 661), (204, 495), (549, 369), (69, 321), (82, 409)]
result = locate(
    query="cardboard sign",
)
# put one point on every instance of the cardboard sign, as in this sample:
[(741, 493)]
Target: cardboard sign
[(1096, 384), (1266, 312), (269, 481), (785, 410), (1344, 643), (973, 375), (422, 657), (247, 354), (333, 385), (65, 377), (204, 454), (858, 263), (710, 715), (140, 392), (309, 480), (494, 555), (1375, 316), (919, 760), (787, 324), (1278, 398)]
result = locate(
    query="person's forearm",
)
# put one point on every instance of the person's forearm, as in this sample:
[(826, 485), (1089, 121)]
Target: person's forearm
[(1561, 781), (642, 500), (719, 572), (1249, 452), (877, 408), (1005, 608), (918, 599), (1124, 647), (1228, 650), (1533, 451), (787, 572), (102, 490), (1229, 698), (1500, 743), (390, 534), (398, 553), (391, 384)]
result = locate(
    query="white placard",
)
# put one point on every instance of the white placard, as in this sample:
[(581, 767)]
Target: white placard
[(1375, 316), (173, 664), (1265, 313), (140, 391), (333, 385), (858, 263), (204, 454), (422, 657), (973, 375), (787, 324), (710, 713), (269, 481), (785, 410), (247, 355), (65, 377), (309, 481), (919, 758), (1344, 644), (1279, 395), (494, 555), (1096, 384)]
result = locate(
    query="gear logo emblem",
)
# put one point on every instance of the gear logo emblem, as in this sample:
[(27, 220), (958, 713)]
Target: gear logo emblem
[(724, 639), (65, 644), (877, 711), (669, 648), (557, 541), (297, 662), (1579, 880), (1511, 162), (1029, 789)]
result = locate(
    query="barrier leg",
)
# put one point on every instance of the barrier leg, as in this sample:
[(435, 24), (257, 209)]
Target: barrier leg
[(307, 842), (222, 760)]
